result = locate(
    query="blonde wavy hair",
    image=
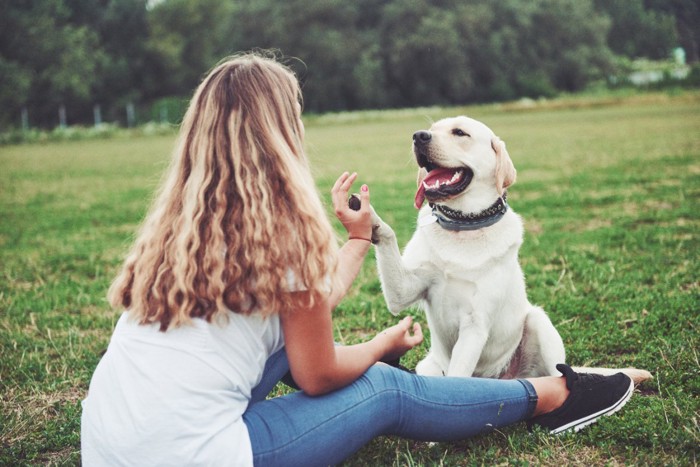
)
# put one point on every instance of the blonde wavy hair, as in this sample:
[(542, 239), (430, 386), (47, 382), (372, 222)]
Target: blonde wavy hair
[(237, 222)]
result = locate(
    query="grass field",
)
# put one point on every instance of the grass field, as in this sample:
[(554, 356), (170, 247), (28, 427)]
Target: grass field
[(608, 188)]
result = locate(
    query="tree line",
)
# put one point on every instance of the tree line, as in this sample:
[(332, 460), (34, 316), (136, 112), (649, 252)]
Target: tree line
[(108, 55)]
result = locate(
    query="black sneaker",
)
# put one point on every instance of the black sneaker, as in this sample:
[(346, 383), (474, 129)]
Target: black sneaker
[(591, 396), (396, 363)]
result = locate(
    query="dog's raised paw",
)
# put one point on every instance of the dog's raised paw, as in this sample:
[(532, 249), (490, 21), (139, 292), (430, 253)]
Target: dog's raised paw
[(375, 234)]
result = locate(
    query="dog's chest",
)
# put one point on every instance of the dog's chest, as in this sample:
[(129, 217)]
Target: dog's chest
[(464, 294), (451, 302), (467, 254)]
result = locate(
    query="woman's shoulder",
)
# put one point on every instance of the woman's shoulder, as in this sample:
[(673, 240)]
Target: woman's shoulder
[(226, 329), (253, 325)]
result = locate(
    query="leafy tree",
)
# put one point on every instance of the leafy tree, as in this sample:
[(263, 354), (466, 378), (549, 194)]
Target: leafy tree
[(187, 38), (569, 36), (45, 61), (638, 31), (687, 18), (498, 49), (423, 55), (123, 30), (332, 42), (349, 55)]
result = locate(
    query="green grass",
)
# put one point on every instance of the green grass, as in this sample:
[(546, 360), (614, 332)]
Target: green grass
[(608, 188)]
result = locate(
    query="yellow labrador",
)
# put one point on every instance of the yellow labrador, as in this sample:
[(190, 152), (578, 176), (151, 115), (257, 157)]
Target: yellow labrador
[(461, 265)]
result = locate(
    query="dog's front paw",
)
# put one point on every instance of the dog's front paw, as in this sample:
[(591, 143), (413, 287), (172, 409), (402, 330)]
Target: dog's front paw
[(375, 234), (429, 367), (381, 232), (376, 225)]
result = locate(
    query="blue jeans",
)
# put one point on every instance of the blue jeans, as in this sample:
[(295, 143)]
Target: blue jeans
[(296, 429)]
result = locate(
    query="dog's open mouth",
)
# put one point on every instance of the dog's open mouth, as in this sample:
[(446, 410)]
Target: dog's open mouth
[(441, 183)]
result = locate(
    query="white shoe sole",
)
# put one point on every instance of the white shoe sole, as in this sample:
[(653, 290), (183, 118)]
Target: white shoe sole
[(576, 425)]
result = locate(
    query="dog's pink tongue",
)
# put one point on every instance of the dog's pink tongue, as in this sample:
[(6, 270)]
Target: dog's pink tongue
[(435, 175), (420, 197)]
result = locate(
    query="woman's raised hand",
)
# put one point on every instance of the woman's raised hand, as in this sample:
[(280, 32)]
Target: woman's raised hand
[(358, 223)]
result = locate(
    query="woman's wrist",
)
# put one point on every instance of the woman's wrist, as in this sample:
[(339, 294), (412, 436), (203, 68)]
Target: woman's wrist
[(360, 237), (358, 246), (360, 234), (380, 344)]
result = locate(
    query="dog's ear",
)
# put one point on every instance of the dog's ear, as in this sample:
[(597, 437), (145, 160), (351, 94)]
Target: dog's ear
[(421, 175), (505, 170)]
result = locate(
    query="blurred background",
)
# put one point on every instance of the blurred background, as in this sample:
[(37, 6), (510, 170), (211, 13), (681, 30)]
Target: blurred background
[(127, 62), (591, 98)]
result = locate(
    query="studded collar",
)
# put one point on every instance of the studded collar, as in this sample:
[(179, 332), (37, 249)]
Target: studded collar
[(452, 219)]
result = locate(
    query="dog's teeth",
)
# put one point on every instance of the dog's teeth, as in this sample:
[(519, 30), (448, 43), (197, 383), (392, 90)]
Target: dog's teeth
[(456, 176), (438, 183)]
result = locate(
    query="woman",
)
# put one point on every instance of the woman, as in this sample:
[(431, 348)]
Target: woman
[(230, 284)]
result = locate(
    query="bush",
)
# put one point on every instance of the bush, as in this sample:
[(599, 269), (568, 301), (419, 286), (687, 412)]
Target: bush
[(79, 133)]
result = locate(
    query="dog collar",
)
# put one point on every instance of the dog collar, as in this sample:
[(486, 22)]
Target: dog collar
[(451, 219)]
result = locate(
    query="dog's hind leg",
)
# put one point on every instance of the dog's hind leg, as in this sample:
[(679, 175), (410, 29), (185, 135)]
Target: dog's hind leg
[(542, 347), (637, 375)]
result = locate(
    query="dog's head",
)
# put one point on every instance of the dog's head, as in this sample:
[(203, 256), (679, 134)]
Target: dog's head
[(458, 156)]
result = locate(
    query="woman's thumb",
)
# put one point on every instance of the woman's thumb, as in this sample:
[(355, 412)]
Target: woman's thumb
[(364, 195)]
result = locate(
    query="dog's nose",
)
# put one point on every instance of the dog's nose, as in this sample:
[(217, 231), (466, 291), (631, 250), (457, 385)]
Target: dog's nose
[(422, 137)]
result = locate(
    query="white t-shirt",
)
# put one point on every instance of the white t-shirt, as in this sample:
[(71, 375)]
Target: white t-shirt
[(176, 397)]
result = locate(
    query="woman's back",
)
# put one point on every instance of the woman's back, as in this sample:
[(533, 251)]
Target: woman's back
[(152, 384)]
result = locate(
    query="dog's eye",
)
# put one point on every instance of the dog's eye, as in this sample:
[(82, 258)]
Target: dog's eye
[(459, 132)]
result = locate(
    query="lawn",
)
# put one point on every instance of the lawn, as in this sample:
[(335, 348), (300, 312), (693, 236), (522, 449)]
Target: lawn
[(608, 189)]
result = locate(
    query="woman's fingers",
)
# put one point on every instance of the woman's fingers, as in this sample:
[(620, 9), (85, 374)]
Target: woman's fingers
[(417, 334), (399, 339), (349, 181), (339, 181), (407, 325), (358, 223), (340, 189), (346, 180), (364, 197)]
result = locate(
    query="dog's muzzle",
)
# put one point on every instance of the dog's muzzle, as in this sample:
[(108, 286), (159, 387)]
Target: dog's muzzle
[(420, 140), (440, 182), (422, 136)]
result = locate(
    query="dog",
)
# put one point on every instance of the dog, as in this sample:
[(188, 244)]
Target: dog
[(461, 264)]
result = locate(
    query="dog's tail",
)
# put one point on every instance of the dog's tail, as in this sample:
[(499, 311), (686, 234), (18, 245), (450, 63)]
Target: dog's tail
[(637, 375)]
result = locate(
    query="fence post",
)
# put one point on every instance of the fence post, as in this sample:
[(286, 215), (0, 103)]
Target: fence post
[(25, 119), (130, 114), (62, 116), (97, 112), (163, 113)]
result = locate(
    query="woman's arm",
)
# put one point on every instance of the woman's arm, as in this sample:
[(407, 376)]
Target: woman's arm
[(350, 259), (359, 227), (318, 365)]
